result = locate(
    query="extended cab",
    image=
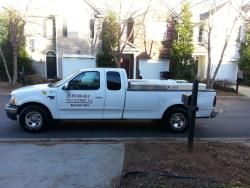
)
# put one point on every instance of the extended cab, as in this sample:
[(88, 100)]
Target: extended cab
[(106, 93)]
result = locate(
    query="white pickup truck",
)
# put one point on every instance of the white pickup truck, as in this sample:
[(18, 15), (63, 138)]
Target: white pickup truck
[(106, 93)]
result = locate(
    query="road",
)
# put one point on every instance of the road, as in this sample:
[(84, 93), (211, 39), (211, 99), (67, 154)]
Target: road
[(233, 121)]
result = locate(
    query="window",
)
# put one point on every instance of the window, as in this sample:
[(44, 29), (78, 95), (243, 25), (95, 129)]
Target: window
[(85, 81), (92, 28), (200, 37), (32, 44), (44, 28), (65, 28), (73, 27), (239, 35), (130, 30), (156, 31), (113, 80), (48, 28)]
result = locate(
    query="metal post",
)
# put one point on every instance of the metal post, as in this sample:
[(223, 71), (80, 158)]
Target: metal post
[(192, 114), (237, 85), (23, 76)]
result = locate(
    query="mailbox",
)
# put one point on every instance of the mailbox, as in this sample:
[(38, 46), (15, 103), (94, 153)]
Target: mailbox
[(186, 99)]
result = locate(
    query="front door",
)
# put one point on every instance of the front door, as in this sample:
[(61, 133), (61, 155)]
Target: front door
[(127, 64), (83, 98), (51, 64)]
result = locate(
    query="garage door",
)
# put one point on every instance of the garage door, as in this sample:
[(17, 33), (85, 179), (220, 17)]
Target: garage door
[(150, 69)]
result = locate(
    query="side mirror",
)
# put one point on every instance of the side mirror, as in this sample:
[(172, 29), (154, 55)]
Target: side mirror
[(66, 86)]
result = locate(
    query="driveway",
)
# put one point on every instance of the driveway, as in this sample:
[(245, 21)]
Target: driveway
[(60, 165), (232, 121)]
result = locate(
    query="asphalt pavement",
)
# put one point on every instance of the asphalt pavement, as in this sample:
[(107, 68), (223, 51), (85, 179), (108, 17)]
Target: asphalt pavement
[(233, 121)]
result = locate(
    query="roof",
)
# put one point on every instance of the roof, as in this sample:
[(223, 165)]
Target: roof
[(172, 11), (205, 15), (134, 6), (78, 56), (130, 48), (99, 13)]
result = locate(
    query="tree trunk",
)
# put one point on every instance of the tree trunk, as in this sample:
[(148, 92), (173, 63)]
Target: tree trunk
[(120, 48), (211, 82), (118, 61), (14, 66), (5, 65), (221, 59)]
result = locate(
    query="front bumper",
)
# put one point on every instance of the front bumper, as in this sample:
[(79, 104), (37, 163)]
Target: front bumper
[(11, 111)]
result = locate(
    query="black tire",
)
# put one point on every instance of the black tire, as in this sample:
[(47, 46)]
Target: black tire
[(34, 118), (177, 119)]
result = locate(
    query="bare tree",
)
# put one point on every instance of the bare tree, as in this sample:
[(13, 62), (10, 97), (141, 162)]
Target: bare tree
[(5, 65), (14, 22), (132, 33), (15, 36)]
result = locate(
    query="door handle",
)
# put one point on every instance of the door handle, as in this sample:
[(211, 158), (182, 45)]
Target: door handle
[(98, 97)]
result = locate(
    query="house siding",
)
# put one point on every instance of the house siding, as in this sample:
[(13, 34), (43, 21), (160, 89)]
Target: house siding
[(76, 16), (220, 28), (79, 13)]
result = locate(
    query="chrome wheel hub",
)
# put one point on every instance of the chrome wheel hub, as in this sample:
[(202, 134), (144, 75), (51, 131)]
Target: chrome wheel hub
[(33, 120), (177, 120)]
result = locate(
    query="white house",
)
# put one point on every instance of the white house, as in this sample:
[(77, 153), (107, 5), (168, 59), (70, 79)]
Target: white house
[(226, 20)]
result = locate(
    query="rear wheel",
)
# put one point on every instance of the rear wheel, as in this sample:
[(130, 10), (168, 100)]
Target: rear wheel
[(34, 118), (177, 119)]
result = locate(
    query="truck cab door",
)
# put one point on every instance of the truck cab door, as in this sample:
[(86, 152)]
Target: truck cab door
[(115, 95), (82, 97)]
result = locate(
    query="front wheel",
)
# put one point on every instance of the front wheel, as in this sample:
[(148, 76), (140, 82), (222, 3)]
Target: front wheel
[(177, 119), (33, 119)]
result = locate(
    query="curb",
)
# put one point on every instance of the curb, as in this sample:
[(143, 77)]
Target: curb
[(115, 140), (3, 93), (233, 97)]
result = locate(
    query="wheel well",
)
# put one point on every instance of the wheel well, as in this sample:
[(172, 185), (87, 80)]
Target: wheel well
[(172, 107), (34, 104)]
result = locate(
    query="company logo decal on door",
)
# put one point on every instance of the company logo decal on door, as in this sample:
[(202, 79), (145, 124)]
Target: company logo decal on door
[(79, 100)]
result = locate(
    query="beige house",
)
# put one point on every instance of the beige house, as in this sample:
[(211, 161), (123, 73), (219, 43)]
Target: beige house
[(61, 28), (146, 54), (57, 27)]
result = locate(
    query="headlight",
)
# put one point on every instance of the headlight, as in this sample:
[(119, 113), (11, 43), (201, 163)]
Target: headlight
[(12, 100)]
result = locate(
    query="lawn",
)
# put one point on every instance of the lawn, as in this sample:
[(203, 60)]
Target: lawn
[(169, 164)]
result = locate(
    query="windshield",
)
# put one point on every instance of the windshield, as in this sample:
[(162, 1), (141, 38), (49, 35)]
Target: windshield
[(57, 84)]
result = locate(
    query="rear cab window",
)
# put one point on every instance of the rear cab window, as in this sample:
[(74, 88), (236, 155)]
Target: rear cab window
[(113, 80)]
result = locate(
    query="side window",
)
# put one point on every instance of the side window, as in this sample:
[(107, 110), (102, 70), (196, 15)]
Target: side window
[(113, 80), (86, 81)]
